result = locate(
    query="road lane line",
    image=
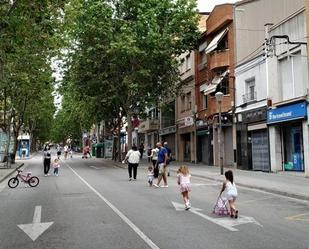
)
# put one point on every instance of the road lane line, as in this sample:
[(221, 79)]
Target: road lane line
[(117, 211), (298, 217)]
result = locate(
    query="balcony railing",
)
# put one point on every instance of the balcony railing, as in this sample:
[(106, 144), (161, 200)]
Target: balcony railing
[(249, 97)]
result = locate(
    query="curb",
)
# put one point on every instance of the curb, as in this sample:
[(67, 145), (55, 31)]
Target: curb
[(268, 190), (9, 174)]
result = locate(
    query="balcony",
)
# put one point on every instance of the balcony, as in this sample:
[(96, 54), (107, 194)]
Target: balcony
[(219, 59), (249, 97), (148, 125)]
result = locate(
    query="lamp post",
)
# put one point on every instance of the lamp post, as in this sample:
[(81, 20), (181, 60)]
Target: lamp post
[(219, 97)]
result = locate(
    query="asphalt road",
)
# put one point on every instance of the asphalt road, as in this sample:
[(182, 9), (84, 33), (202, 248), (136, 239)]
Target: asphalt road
[(92, 205)]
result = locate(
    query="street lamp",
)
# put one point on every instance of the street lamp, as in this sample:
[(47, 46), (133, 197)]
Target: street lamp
[(219, 97)]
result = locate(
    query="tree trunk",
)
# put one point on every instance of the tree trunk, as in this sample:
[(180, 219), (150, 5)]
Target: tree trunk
[(130, 128), (119, 144)]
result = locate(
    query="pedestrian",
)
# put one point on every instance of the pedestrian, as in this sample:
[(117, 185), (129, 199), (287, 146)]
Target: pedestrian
[(58, 151), (46, 159), (161, 164), (150, 175), (169, 157), (70, 151), (133, 157), (154, 158), (141, 149), (56, 166), (229, 191), (65, 150), (149, 153), (183, 180)]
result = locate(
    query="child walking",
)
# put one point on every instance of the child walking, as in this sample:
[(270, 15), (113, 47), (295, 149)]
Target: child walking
[(150, 175), (229, 191), (184, 184), (56, 166)]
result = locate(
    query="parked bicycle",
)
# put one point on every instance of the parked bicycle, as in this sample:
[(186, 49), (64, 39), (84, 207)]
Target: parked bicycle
[(33, 181)]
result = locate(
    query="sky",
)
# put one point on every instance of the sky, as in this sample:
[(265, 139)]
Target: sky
[(207, 5)]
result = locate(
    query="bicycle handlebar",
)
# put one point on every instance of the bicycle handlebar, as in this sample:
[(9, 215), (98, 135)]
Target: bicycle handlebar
[(18, 170)]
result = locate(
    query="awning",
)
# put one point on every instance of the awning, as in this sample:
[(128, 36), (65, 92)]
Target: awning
[(214, 43), (202, 47), (214, 83)]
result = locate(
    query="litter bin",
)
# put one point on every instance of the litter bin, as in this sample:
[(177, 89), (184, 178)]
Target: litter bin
[(100, 151), (93, 149)]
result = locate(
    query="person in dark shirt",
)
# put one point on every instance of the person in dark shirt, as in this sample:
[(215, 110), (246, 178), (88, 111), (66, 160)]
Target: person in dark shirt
[(169, 157), (161, 162)]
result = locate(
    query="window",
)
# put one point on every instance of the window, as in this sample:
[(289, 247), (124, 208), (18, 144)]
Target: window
[(223, 87), (291, 76), (188, 62), (203, 58), (183, 103), (188, 101), (250, 94), (223, 45), (205, 101)]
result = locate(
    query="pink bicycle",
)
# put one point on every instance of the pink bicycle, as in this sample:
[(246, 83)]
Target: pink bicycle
[(33, 181)]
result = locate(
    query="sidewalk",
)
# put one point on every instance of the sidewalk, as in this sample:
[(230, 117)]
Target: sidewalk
[(283, 183), (6, 172)]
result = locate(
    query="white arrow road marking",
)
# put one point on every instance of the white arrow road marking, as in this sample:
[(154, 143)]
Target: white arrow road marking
[(225, 222), (36, 228)]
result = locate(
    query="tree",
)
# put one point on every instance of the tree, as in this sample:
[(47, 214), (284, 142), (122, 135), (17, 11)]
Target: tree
[(124, 53), (29, 39)]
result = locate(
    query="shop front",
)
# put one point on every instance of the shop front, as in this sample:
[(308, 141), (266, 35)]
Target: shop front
[(288, 131), (252, 140), (204, 142), (186, 139), (168, 135)]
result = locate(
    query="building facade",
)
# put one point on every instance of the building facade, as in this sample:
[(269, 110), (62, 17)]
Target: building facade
[(288, 94), (216, 74), (185, 108)]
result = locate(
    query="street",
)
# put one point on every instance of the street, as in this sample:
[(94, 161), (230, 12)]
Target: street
[(93, 205)]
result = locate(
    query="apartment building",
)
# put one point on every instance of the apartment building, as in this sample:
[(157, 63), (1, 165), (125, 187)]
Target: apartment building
[(216, 72), (253, 91)]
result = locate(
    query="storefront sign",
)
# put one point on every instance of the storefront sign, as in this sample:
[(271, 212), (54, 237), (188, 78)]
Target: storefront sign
[(167, 130), (286, 113), (256, 115), (185, 122)]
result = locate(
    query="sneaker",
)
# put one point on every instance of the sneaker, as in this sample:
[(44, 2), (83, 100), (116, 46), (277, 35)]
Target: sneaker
[(236, 214), (45, 175), (187, 206), (134, 179), (156, 185), (130, 179), (165, 186)]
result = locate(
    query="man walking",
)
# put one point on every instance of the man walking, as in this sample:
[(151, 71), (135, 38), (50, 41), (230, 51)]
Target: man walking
[(169, 157), (162, 160)]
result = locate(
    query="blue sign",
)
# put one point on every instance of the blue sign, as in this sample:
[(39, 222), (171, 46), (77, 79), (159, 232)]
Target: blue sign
[(286, 113)]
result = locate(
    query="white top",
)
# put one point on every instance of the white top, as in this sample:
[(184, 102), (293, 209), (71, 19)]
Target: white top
[(184, 179), (154, 153), (133, 156), (230, 190), (66, 148)]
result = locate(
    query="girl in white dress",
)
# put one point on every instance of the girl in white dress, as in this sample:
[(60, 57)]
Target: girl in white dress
[(184, 184), (229, 192)]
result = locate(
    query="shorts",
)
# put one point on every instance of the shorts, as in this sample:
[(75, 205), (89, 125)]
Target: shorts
[(162, 168)]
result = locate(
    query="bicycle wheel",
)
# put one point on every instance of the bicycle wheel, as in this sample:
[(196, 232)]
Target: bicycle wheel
[(13, 182), (33, 181)]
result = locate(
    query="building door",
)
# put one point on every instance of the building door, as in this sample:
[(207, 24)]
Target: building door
[(293, 147), (260, 150), (187, 148)]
